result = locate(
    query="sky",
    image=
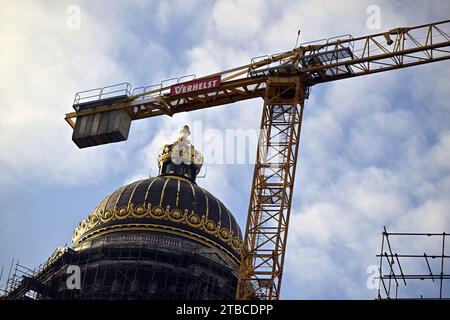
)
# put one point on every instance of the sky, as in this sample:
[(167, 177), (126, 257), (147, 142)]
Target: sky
[(374, 151)]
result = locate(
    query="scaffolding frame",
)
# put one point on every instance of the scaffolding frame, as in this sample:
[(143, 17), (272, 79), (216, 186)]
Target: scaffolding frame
[(134, 270), (392, 276)]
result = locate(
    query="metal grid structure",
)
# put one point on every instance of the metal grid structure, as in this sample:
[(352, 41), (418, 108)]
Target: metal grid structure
[(414, 276), (158, 270), (17, 274), (272, 188)]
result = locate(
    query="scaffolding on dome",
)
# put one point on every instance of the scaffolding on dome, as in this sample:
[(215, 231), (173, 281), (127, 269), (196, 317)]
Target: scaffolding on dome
[(122, 271)]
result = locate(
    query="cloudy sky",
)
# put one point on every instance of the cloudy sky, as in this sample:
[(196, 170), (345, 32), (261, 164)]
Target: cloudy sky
[(375, 151)]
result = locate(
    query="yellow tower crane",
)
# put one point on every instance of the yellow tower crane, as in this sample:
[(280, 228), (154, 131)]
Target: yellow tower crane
[(284, 81)]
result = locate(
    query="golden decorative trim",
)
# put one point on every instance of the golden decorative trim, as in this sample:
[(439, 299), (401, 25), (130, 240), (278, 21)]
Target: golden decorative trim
[(163, 191), (220, 209), (178, 193), (120, 194), (206, 202), (164, 157), (193, 193), (107, 200), (229, 218), (159, 228), (175, 177), (134, 190), (223, 230), (148, 189), (196, 159), (159, 213)]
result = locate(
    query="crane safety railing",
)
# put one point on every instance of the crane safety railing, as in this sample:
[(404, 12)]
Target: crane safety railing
[(322, 51), (326, 44), (87, 97), (160, 89), (123, 91), (142, 92)]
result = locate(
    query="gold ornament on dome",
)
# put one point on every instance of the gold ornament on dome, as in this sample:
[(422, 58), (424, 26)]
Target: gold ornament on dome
[(181, 151), (176, 215)]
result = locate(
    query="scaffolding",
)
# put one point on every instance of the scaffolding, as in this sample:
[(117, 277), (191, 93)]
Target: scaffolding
[(16, 276), (33, 284), (403, 275), (128, 267)]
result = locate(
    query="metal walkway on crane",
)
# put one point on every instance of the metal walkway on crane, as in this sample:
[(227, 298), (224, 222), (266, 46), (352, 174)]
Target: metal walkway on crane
[(320, 59)]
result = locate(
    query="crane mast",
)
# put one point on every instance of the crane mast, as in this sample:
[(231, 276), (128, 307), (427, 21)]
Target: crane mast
[(265, 235), (284, 81)]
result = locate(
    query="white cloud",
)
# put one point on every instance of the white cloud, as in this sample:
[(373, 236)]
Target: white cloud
[(238, 21), (43, 64)]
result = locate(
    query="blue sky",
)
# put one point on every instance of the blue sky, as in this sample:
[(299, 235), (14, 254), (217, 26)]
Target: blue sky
[(374, 150)]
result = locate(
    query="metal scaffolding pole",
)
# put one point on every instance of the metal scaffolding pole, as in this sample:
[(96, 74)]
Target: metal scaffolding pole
[(395, 266)]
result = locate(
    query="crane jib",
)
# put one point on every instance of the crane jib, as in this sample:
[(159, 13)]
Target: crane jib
[(195, 85)]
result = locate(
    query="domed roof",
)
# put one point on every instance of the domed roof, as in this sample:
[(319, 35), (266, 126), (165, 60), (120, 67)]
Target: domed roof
[(166, 203)]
